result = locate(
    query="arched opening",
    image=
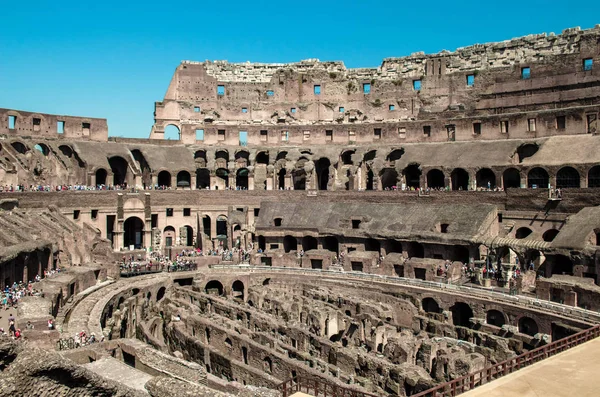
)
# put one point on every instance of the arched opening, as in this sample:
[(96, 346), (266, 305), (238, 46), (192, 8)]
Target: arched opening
[(412, 173), (435, 179), (206, 225), (101, 175), (461, 314), (277, 221), (223, 178), (290, 243), (42, 148), (202, 178), (164, 179), (262, 158), (222, 230), (262, 243), (594, 176), (370, 177), (133, 232), (237, 289), (389, 178), (415, 250), (161, 293), (172, 133), (346, 157), (393, 246), (241, 179), (214, 287), (528, 326), (184, 179), (372, 245), (511, 178), (66, 150), (322, 172), (330, 243), (189, 236), (550, 235), (119, 167), (526, 150), (460, 179), (562, 264), (538, 178), (169, 236), (200, 158), (20, 147), (281, 156), (268, 365), (309, 243), (395, 155), (567, 177), (495, 317), (460, 253), (242, 159), (523, 232), (430, 305), (299, 174), (222, 158), (281, 179), (485, 178)]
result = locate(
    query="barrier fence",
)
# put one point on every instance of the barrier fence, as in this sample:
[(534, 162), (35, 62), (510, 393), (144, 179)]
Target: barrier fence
[(318, 388), (495, 371)]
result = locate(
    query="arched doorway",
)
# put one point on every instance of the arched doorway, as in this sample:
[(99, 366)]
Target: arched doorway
[(370, 176), (594, 176), (133, 232), (430, 305), (119, 167), (241, 179), (299, 174), (101, 175), (202, 178), (169, 236), (222, 231), (309, 243), (189, 236), (528, 326), (511, 178), (461, 314), (281, 179), (495, 317), (460, 179), (322, 172), (237, 289), (550, 235), (389, 178), (222, 178), (290, 243), (435, 179), (567, 177), (485, 178), (214, 287), (331, 243), (538, 178), (164, 179), (183, 179), (172, 133), (262, 158), (412, 173)]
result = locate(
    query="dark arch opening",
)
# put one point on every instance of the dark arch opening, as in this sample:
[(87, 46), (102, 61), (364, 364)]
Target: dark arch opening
[(119, 167), (189, 233), (436, 179), (290, 243), (299, 174), (237, 289), (372, 245), (164, 179), (262, 243), (526, 150), (370, 178), (460, 253), (567, 177), (241, 178), (528, 326), (460, 179), (206, 225), (461, 314), (309, 243), (347, 157), (138, 156), (20, 147), (486, 178), (331, 243), (393, 246), (66, 150), (562, 265), (538, 178), (223, 174), (430, 305), (550, 235), (202, 178), (495, 317), (200, 158), (184, 179), (415, 250), (101, 175), (242, 158), (281, 179), (511, 178), (412, 173), (389, 178), (214, 287), (133, 232), (42, 148), (281, 156), (523, 232), (161, 293), (594, 176), (262, 158), (395, 155), (322, 171), (222, 155)]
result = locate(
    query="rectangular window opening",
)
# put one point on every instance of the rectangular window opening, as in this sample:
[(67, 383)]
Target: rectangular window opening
[(270, 93), (284, 136), (76, 214), (402, 132), (187, 212), (273, 246), (169, 211), (427, 130), (531, 125), (60, 127), (154, 220), (329, 135), (470, 80), (94, 214), (243, 138), (221, 135), (199, 135), (377, 133), (417, 85), (306, 135), (392, 107), (587, 64), (525, 73), (366, 88), (476, 128), (85, 126), (356, 223), (256, 212), (244, 110), (561, 122), (196, 109), (12, 121), (341, 109), (504, 126), (36, 121), (264, 135), (293, 110), (220, 90), (317, 90)]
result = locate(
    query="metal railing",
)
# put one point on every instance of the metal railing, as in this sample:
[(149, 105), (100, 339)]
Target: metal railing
[(318, 388), (495, 371)]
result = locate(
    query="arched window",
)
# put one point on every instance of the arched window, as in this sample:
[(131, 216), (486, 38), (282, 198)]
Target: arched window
[(412, 173), (549, 235), (172, 133), (460, 179), (567, 177), (290, 243), (164, 179), (594, 176), (538, 178), (511, 178), (523, 232), (486, 178), (435, 179), (389, 178), (183, 179)]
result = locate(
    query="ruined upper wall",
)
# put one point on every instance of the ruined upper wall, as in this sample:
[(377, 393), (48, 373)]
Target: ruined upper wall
[(475, 83), (22, 123)]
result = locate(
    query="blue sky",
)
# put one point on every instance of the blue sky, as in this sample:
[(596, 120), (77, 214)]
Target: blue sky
[(115, 59)]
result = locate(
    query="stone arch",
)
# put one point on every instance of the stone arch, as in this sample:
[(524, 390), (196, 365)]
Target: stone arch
[(189, 239), (299, 174), (415, 250), (436, 179), (160, 294), (331, 243), (523, 232), (184, 179), (241, 178), (412, 174), (281, 179), (169, 236), (511, 178), (223, 175), (526, 150), (594, 176), (389, 178), (237, 289), (495, 317), (19, 147), (281, 156), (172, 133), (568, 177), (164, 179), (101, 175), (262, 243), (202, 178), (262, 158), (346, 157), (370, 179), (395, 155), (133, 232), (290, 243), (66, 150), (119, 167), (200, 158), (309, 243), (214, 287), (528, 326), (322, 173), (460, 179), (538, 177), (550, 234), (461, 314), (485, 178), (430, 305), (242, 158), (42, 148)]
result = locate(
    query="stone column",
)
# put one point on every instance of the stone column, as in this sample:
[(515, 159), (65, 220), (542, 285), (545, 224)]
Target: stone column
[(251, 181), (174, 181), (193, 181)]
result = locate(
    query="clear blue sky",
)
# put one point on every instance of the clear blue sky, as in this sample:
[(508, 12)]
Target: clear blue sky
[(114, 59)]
